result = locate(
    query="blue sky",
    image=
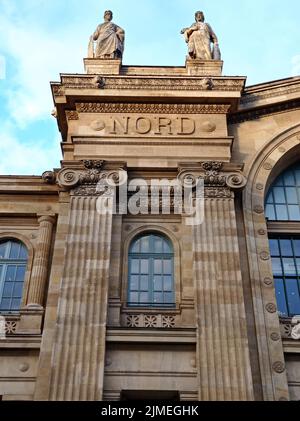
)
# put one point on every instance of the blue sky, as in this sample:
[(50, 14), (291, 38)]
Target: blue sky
[(39, 39)]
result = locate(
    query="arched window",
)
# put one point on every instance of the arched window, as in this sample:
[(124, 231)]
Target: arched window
[(283, 215), (13, 262), (283, 199), (151, 272)]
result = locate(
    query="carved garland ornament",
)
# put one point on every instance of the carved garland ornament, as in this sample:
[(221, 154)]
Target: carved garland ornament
[(91, 107)]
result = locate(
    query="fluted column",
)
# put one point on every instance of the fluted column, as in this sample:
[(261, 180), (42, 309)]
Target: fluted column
[(39, 275), (78, 358), (223, 360), (223, 350)]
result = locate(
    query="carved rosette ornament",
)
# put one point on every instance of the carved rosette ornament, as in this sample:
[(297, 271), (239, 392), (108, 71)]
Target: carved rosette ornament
[(92, 180), (220, 179)]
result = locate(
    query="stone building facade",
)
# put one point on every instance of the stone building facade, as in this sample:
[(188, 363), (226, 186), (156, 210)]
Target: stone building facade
[(103, 305)]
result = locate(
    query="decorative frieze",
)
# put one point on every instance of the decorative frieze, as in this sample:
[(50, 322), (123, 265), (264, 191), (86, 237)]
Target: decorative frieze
[(110, 107), (149, 321), (153, 83), (290, 328)]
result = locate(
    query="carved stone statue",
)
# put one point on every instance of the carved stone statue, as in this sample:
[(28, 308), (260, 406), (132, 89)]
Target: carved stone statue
[(199, 37), (109, 40)]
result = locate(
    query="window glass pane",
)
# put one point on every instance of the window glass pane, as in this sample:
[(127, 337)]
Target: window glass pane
[(168, 298), (298, 266), (296, 244), (291, 195), (16, 304), (157, 266), (270, 197), (3, 250), (144, 298), (1, 270), (18, 290), (278, 181), (289, 179), (14, 251), (144, 285), (20, 274), (167, 248), (157, 283), (5, 304), (286, 248), (276, 264), (23, 253), (158, 245), (144, 266), (135, 266), (293, 296), (167, 267), (135, 248), (10, 273), (133, 298), (294, 212), (274, 247), (168, 283), (281, 212), (280, 297), (289, 268), (270, 212), (158, 298), (145, 244), (279, 195), (8, 290), (134, 282), (297, 175)]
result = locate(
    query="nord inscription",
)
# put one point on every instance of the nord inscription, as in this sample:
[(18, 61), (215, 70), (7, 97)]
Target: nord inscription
[(145, 125)]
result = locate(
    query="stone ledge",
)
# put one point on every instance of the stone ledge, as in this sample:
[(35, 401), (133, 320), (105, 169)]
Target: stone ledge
[(156, 335)]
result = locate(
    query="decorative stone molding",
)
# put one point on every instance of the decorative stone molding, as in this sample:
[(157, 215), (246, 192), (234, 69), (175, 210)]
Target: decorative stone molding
[(219, 179), (290, 328), (278, 367), (138, 82), (107, 107), (271, 308), (10, 327), (85, 182), (49, 177), (58, 90), (249, 96), (149, 321), (263, 112), (72, 115)]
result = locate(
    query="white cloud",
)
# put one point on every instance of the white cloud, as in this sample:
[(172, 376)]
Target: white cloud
[(26, 158), (2, 67), (39, 56), (296, 65)]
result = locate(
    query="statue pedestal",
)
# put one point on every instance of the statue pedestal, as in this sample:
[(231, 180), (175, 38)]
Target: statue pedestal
[(197, 67), (100, 66)]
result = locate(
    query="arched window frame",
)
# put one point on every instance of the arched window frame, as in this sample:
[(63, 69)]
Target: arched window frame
[(152, 261), (273, 157), (160, 230), (282, 207), (12, 236)]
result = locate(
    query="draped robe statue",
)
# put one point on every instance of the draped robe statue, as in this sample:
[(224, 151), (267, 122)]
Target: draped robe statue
[(199, 37), (109, 39)]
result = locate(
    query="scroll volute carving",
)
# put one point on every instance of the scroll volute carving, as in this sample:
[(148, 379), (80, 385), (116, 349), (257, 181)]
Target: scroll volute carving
[(86, 181), (215, 174)]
